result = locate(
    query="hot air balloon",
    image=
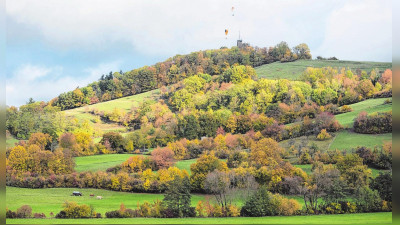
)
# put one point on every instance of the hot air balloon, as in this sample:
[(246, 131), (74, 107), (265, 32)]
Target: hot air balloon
[(226, 33), (233, 8)]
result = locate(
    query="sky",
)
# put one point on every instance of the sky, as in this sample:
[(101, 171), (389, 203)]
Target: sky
[(55, 46)]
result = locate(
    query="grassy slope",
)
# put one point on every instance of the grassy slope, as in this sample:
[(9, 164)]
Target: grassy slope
[(347, 140), (370, 106), (293, 70), (364, 218), (51, 200), (125, 104), (99, 162)]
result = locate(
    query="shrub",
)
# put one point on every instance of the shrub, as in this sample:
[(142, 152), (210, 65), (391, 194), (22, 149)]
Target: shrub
[(11, 214), (386, 206), (259, 204), (345, 109), (376, 123), (24, 211), (39, 215), (332, 208), (233, 211), (368, 200), (73, 210), (114, 214), (383, 184), (305, 158), (61, 215), (323, 135), (286, 207), (200, 209)]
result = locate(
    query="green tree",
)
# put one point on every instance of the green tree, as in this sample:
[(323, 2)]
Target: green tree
[(177, 197)]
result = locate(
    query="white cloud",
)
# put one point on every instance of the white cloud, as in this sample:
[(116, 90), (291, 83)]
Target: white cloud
[(29, 72), (360, 30), (170, 27), (43, 83), (347, 29)]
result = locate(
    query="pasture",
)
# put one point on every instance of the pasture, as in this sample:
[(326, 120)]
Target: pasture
[(51, 199), (347, 140), (185, 164), (369, 106), (99, 162), (360, 218), (293, 70), (125, 104)]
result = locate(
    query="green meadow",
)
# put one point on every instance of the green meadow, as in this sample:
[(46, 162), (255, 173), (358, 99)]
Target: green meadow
[(293, 70), (360, 218), (369, 106), (99, 162), (51, 199), (347, 140)]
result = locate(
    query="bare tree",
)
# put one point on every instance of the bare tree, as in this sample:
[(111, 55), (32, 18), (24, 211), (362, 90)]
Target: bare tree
[(226, 186)]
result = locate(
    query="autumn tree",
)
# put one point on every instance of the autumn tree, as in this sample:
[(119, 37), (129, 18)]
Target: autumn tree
[(40, 139), (265, 152), (354, 172), (162, 157), (204, 165), (302, 51)]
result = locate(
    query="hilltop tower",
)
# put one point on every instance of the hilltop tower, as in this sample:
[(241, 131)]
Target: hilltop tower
[(239, 42)]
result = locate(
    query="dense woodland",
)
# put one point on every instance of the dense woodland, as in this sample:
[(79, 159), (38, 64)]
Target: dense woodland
[(213, 108)]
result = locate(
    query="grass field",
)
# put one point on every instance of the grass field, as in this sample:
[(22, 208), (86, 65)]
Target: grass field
[(125, 104), (185, 164), (362, 218), (293, 70), (11, 141), (99, 162), (347, 140), (51, 200), (306, 168), (370, 106)]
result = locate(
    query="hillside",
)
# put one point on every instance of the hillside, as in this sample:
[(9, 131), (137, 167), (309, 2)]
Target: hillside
[(293, 70), (262, 135)]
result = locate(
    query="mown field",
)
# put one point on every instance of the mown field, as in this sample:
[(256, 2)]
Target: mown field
[(293, 70), (342, 140), (99, 162), (51, 199), (347, 140), (361, 218), (185, 164), (369, 106)]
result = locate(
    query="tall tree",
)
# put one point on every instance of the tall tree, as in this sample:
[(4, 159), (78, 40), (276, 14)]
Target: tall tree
[(177, 197)]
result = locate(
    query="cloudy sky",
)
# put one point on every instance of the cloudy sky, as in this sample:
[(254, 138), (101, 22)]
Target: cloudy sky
[(55, 46)]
